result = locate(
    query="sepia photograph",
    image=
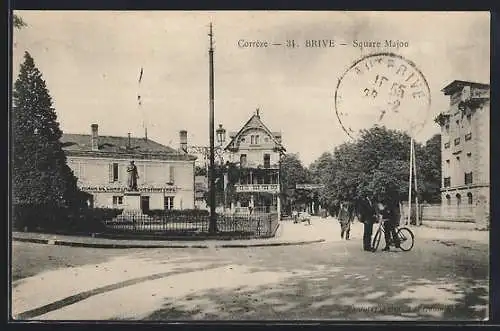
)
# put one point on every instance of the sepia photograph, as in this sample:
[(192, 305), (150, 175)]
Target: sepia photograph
[(249, 166)]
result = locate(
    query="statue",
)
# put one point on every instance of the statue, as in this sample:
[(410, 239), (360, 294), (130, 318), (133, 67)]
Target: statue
[(132, 176)]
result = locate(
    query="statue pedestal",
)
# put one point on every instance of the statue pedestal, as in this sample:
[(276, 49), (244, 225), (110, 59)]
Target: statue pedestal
[(132, 202)]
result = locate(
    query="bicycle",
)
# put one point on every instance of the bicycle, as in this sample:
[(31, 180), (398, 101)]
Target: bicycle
[(405, 235)]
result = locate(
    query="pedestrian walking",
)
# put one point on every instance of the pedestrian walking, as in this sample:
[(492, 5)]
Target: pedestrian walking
[(367, 216), (346, 216)]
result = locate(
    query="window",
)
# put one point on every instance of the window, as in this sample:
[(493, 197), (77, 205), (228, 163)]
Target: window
[(267, 160), (469, 154), (113, 172), (447, 127), (117, 200), (256, 140), (447, 145), (168, 203), (243, 160), (252, 140), (448, 199), (469, 198), (458, 158), (448, 163), (469, 118), (468, 178), (458, 123), (468, 136), (459, 199), (447, 182), (457, 141)]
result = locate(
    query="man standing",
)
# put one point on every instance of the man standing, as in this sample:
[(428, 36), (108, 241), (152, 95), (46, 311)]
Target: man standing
[(367, 216), (391, 215)]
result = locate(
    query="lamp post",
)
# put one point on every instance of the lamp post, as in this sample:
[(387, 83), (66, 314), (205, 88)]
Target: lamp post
[(221, 139), (212, 227)]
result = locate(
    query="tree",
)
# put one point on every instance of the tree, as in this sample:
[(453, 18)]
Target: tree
[(377, 165), (39, 170), (293, 173), (429, 166)]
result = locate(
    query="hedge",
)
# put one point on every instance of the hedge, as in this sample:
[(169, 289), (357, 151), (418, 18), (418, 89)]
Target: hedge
[(46, 218)]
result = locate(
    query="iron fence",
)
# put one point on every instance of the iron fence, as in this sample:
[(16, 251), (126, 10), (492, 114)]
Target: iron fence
[(258, 225)]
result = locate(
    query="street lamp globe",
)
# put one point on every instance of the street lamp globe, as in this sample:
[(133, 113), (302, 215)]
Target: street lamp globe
[(221, 134)]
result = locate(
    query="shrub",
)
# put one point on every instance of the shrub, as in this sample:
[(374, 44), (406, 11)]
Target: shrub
[(47, 218)]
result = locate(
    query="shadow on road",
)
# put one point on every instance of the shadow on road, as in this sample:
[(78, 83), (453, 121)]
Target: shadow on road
[(400, 286)]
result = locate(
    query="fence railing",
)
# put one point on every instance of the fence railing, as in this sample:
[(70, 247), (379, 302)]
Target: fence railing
[(257, 225)]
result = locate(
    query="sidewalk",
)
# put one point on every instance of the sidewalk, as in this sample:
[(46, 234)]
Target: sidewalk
[(287, 234)]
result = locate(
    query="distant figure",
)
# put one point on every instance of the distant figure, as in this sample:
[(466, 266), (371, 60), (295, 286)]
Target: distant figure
[(133, 174), (346, 217)]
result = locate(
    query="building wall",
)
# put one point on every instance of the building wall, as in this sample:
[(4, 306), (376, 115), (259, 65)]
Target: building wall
[(467, 156), (255, 152), (95, 172)]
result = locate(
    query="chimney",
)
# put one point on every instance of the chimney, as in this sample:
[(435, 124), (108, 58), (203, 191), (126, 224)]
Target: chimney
[(183, 141), (95, 137)]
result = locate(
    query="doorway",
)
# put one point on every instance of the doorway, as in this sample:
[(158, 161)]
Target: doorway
[(145, 204)]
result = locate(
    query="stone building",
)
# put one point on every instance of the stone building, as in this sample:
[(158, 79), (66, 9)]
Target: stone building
[(166, 175), (465, 150), (257, 153)]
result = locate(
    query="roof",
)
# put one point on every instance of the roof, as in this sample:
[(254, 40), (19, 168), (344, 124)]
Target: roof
[(256, 122), (115, 146), (459, 84)]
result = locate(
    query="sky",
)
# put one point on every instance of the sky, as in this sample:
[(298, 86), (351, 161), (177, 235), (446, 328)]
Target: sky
[(91, 62)]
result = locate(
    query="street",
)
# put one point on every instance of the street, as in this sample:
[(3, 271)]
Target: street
[(444, 277)]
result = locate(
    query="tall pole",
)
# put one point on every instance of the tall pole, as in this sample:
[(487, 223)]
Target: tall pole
[(417, 214), (212, 228), (410, 182)]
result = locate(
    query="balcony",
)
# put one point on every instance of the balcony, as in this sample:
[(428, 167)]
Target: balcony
[(267, 188)]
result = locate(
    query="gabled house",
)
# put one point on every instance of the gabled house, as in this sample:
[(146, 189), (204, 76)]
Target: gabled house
[(256, 151)]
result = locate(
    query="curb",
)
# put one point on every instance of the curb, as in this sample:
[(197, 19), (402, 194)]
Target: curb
[(450, 227), (125, 246)]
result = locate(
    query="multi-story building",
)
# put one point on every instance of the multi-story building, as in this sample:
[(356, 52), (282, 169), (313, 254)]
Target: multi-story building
[(465, 132), (166, 175), (257, 153)]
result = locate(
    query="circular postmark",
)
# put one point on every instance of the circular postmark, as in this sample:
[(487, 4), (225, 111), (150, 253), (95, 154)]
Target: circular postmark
[(382, 89)]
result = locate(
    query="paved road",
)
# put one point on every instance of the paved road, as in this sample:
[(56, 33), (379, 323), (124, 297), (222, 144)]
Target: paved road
[(445, 277)]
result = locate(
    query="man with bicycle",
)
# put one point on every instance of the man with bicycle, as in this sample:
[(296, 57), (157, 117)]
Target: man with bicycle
[(390, 214)]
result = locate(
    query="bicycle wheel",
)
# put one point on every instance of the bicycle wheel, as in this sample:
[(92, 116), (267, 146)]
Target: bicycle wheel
[(376, 240), (406, 239)]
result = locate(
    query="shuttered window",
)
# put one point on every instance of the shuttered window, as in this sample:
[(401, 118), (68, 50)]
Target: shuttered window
[(113, 172), (171, 175)]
